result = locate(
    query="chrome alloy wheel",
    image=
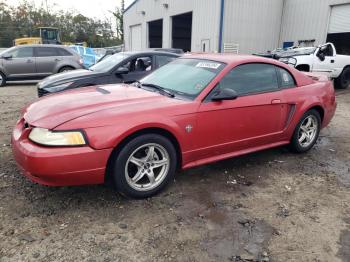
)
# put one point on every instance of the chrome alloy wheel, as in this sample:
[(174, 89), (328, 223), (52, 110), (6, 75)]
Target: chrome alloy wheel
[(147, 167), (308, 131)]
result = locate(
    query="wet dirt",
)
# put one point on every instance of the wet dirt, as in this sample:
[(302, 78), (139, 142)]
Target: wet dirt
[(267, 206)]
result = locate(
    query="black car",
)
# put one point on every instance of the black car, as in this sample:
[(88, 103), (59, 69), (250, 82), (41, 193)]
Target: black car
[(124, 67), (170, 50)]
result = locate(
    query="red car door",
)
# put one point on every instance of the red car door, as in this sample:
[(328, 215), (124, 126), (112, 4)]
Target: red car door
[(256, 118)]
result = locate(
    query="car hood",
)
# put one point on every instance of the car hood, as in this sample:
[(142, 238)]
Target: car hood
[(54, 110), (67, 77)]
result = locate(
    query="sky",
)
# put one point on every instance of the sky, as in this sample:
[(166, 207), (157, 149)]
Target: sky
[(90, 8)]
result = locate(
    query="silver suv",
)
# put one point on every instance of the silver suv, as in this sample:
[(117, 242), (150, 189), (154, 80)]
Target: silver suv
[(36, 62)]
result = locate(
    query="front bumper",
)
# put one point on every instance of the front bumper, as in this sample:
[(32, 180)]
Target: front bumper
[(58, 166)]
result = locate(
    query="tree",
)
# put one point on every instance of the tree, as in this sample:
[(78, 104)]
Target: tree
[(22, 21), (118, 14)]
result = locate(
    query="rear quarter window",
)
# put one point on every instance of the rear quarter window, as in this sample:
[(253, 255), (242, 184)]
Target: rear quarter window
[(285, 78), (63, 52), (163, 60)]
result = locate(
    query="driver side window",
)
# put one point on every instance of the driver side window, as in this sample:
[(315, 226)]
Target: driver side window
[(139, 64), (251, 78), (327, 50)]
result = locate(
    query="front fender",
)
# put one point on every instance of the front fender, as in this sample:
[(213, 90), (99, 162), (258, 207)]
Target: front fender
[(304, 60), (2, 69), (110, 136), (113, 135)]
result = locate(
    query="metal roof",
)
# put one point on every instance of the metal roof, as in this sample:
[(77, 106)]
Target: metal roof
[(130, 5)]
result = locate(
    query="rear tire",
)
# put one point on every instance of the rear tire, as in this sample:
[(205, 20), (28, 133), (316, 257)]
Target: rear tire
[(306, 132), (2, 79), (144, 166), (65, 69), (343, 81)]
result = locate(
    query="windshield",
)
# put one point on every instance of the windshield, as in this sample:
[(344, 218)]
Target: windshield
[(109, 63), (4, 50), (187, 77), (298, 51)]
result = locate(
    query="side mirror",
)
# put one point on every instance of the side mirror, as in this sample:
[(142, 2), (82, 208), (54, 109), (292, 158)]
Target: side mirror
[(6, 56), (225, 94), (321, 56), (122, 71)]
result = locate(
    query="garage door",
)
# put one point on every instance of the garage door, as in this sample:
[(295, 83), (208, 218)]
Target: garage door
[(340, 19), (135, 39), (339, 28)]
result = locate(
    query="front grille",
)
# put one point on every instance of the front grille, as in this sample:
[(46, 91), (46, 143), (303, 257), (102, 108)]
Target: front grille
[(42, 92)]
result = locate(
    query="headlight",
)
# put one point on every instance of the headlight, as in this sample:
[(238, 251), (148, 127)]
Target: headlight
[(58, 88), (289, 61), (283, 60), (57, 138)]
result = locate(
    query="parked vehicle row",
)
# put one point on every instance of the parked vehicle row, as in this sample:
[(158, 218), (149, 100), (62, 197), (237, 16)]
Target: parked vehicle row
[(32, 62), (36, 62), (194, 110)]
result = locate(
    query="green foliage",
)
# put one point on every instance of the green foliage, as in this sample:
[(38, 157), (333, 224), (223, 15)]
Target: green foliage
[(22, 20), (118, 15)]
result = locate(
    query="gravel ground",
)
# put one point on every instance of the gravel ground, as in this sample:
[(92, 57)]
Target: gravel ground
[(268, 206)]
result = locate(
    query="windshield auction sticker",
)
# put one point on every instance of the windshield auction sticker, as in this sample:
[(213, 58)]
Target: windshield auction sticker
[(208, 65)]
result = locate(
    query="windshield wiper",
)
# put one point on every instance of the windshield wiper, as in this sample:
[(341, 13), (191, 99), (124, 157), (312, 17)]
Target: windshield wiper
[(137, 84), (159, 88)]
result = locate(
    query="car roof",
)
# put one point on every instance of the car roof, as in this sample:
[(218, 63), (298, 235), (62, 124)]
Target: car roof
[(234, 60), (229, 58), (42, 45)]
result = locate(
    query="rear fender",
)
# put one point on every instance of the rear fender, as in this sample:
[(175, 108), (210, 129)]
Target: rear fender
[(320, 77)]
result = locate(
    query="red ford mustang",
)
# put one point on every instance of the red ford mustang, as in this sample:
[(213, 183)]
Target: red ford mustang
[(195, 110)]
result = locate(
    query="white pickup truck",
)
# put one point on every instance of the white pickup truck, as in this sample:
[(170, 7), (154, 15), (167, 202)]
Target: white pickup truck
[(323, 58)]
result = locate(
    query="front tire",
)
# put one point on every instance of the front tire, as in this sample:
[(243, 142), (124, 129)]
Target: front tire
[(65, 69), (306, 132), (144, 166), (2, 79), (343, 81)]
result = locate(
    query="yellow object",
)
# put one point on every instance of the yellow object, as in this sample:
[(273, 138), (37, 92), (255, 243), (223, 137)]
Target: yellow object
[(28, 41), (42, 35), (45, 35)]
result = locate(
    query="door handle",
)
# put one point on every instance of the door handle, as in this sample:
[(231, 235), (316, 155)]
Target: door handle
[(57, 59), (29, 61), (332, 61), (276, 101)]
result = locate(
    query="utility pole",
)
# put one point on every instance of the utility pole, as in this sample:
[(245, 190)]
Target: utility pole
[(47, 7)]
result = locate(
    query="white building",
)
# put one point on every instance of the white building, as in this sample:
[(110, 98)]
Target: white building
[(249, 26)]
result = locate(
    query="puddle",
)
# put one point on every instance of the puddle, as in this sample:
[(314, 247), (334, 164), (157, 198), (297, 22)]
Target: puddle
[(344, 242), (341, 169), (227, 232)]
